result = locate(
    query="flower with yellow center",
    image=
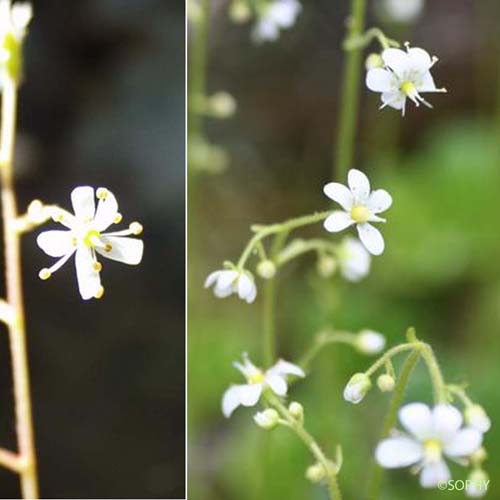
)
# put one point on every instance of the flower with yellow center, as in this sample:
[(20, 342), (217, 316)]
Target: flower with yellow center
[(257, 380), (433, 434), (86, 240), (361, 207)]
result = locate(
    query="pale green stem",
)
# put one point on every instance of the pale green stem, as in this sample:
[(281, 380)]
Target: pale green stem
[(309, 441), (390, 354), (362, 41), (391, 417), (435, 373), (269, 347), (299, 247), (349, 97), (460, 393)]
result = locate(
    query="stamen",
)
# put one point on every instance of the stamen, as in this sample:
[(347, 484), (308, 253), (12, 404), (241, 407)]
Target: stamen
[(97, 266), (118, 218), (99, 293), (101, 193), (108, 247), (136, 228), (44, 274)]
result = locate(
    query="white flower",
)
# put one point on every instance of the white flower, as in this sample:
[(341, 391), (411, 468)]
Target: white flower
[(85, 238), (405, 75), (434, 434), (370, 342), (403, 11), (476, 417), (360, 208), (249, 394), (229, 281), (357, 388), (267, 419), (477, 484), (280, 14), (14, 19), (353, 258)]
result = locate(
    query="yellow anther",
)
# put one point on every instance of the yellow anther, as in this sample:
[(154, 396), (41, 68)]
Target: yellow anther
[(118, 218), (99, 293), (44, 274), (102, 193), (360, 214), (256, 378), (108, 247), (92, 238), (97, 266), (408, 88), (433, 449), (136, 228)]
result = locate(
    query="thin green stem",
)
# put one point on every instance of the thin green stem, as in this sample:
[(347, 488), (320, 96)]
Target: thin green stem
[(459, 391), (391, 417), (349, 98), (269, 338), (299, 247), (390, 354), (438, 384), (363, 40)]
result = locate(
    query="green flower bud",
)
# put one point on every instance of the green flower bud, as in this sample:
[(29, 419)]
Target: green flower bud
[(266, 269), (386, 383)]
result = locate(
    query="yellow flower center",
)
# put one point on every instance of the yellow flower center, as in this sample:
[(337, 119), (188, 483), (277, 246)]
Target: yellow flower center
[(92, 238), (408, 88), (360, 214), (433, 449), (256, 378)]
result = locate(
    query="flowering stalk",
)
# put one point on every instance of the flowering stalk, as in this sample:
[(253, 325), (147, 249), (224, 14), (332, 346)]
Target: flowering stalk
[(350, 92), (17, 335)]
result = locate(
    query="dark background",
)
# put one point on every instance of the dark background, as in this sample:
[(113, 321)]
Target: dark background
[(103, 104)]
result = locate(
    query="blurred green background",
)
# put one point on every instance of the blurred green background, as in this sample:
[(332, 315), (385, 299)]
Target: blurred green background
[(440, 271)]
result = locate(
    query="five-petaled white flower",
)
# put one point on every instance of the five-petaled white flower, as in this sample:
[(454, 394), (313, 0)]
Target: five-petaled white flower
[(360, 208), (280, 14), (229, 281), (405, 75), (434, 434), (249, 394), (354, 260), (85, 239)]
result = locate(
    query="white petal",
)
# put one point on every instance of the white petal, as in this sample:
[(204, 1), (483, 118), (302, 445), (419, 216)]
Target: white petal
[(245, 286), (379, 201), (426, 83), (339, 193), (250, 394), (358, 184), (416, 418), (21, 14), (446, 420), (106, 212), (396, 59), (252, 295), (226, 279), (337, 221), (380, 80), (55, 243), (394, 99), (283, 367), (222, 293), (211, 279), (371, 238), (420, 60), (231, 400), (398, 452), (277, 383), (123, 249), (434, 473), (83, 202), (89, 280), (464, 443)]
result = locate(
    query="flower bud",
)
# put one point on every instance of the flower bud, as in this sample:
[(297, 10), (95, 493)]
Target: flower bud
[(357, 388), (479, 456), (239, 11), (296, 411), (374, 61), (222, 105), (476, 417), (477, 484), (266, 269), (326, 266), (386, 383), (315, 473), (267, 419), (370, 342)]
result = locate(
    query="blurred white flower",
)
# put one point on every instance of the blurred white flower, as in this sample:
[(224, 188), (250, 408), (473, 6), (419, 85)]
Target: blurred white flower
[(403, 11), (267, 419), (476, 417), (14, 19), (357, 388), (229, 281), (353, 259), (370, 342), (406, 75), (360, 208), (434, 434), (249, 394), (477, 484), (279, 14), (85, 239)]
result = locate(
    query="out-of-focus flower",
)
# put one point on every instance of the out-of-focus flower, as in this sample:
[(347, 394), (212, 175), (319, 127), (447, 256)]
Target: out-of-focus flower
[(406, 75), (353, 259), (477, 484), (357, 388), (85, 239), (403, 11), (360, 208), (240, 11), (278, 15), (433, 434), (476, 417), (296, 411), (229, 281), (257, 380), (267, 419), (370, 342)]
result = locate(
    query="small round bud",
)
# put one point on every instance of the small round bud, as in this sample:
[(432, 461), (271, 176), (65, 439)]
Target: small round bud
[(136, 228), (477, 484), (316, 473), (222, 105), (386, 383), (370, 342), (266, 269), (476, 417), (374, 61), (239, 11), (267, 419), (44, 274), (326, 266), (296, 411), (479, 456), (357, 388)]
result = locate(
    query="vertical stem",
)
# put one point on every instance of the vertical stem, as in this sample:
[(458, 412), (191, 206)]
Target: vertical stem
[(17, 336), (269, 347), (390, 419), (349, 99)]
